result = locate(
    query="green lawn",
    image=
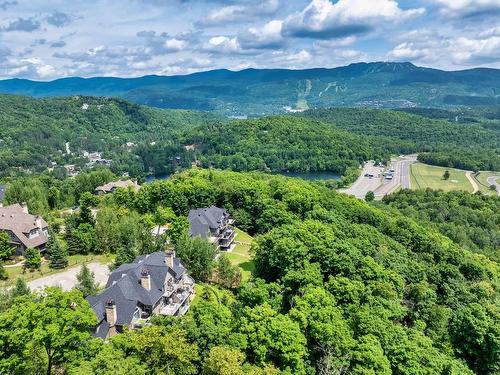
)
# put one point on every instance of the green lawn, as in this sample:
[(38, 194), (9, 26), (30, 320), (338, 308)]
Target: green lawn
[(481, 179), (428, 176), (45, 270), (240, 255)]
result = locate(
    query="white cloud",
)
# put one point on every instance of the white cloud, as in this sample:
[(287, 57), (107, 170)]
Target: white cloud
[(175, 44), (267, 36), (29, 67), (468, 8), (324, 19), (224, 45), (434, 49), (240, 12)]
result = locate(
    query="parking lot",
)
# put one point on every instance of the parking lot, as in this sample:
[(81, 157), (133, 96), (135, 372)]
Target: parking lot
[(372, 178), (67, 279)]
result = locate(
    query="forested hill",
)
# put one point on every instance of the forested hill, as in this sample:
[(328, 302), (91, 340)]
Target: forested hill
[(141, 140), (34, 131), (255, 92), (281, 144), (473, 143)]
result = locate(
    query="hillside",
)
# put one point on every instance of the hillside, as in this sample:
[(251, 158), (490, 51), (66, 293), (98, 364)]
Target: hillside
[(470, 144), (142, 140), (255, 92), (280, 144), (34, 132), (339, 286)]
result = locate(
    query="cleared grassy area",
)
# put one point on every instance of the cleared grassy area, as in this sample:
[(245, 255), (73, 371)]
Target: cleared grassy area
[(240, 255), (45, 270), (484, 186), (425, 176)]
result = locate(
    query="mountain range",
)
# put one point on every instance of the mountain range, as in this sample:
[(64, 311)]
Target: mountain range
[(255, 92)]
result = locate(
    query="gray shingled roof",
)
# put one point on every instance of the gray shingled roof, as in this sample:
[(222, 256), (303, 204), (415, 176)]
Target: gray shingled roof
[(202, 220), (125, 290)]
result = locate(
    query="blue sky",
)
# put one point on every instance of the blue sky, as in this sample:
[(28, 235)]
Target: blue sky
[(54, 38)]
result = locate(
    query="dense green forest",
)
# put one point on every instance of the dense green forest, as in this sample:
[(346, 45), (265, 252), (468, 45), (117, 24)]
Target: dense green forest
[(471, 145), (280, 144), (470, 220), (142, 141), (34, 132), (339, 286)]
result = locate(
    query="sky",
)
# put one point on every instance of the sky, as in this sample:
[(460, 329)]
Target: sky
[(49, 39)]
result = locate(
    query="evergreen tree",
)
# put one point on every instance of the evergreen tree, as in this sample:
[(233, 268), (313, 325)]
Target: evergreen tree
[(446, 175), (50, 244), (86, 281), (32, 259), (58, 255), (20, 288), (87, 200)]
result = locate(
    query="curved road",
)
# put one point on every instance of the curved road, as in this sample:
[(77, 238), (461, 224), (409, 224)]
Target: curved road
[(494, 180)]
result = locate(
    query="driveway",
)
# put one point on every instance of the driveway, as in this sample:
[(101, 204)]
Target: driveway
[(67, 279)]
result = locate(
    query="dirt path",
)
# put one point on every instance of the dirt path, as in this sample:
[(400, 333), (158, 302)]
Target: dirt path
[(472, 181)]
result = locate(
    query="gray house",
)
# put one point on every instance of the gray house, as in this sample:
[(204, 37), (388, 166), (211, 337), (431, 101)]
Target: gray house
[(24, 230), (214, 224), (156, 283)]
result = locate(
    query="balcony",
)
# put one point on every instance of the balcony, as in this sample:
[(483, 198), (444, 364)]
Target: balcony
[(140, 318), (177, 303)]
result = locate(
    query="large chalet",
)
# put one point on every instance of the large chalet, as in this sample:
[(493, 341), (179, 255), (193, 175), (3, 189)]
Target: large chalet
[(154, 284), (214, 224), (24, 230)]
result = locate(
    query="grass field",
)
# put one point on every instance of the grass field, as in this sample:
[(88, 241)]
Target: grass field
[(240, 256), (428, 176), (45, 270), (481, 179)]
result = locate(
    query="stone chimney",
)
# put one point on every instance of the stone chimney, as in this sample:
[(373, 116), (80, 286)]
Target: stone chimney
[(111, 312), (145, 279), (24, 206), (169, 258), (38, 222)]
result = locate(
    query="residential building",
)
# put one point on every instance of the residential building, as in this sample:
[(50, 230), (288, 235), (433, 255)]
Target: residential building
[(110, 187), (154, 284), (24, 230), (214, 224)]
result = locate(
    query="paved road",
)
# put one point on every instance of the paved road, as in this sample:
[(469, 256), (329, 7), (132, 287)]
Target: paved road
[(494, 180), (378, 184), (67, 279), (365, 184)]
